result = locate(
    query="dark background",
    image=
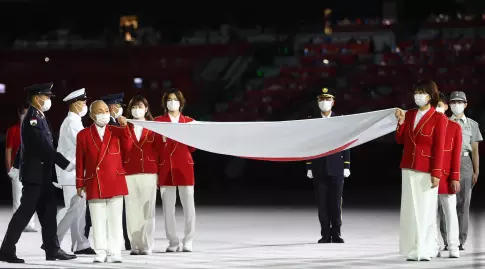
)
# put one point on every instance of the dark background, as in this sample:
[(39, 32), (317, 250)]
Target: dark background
[(224, 180)]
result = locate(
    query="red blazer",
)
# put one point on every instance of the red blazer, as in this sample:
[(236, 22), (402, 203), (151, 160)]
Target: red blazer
[(451, 157), (13, 139), (423, 145), (175, 163), (99, 165), (140, 157)]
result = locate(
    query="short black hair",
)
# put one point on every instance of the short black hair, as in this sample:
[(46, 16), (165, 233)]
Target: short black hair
[(22, 107), (429, 87), (443, 98)]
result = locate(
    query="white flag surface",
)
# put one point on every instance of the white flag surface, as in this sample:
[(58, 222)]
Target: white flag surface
[(282, 140)]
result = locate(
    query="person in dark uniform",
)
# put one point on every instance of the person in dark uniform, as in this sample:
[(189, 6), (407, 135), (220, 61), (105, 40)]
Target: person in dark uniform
[(36, 159), (328, 176), (115, 105)]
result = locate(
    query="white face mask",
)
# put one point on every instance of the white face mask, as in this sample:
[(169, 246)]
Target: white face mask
[(457, 109), (440, 110), (83, 111), (46, 106), (119, 113), (421, 99), (325, 106), (138, 113), (173, 105), (102, 119)]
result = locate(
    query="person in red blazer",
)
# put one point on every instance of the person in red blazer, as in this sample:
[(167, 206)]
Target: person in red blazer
[(12, 145), (449, 184), (140, 163), (422, 132), (176, 170), (100, 174)]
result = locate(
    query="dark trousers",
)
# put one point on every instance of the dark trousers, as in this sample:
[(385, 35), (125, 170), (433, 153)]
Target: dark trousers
[(40, 199), (328, 192), (87, 228)]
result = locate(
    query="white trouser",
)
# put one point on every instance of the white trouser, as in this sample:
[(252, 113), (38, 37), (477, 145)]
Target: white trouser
[(169, 197), (140, 210), (107, 225), (74, 219), (448, 204), (16, 195), (417, 236)]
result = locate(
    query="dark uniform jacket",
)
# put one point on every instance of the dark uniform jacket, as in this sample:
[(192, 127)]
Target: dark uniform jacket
[(331, 165), (37, 155)]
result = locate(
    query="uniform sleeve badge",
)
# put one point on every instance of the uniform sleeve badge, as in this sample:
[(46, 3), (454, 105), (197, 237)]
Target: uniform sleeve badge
[(33, 122)]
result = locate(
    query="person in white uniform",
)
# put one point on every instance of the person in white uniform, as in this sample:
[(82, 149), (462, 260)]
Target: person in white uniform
[(72, 216)]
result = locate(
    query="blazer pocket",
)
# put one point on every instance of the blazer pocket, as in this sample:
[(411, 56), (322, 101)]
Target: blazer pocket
[(151, 138), (90, 177), (151, 158), (446, 172), (120, 173), (114, 149), (190, 161), (163, 162), (127, 161), (426, 154), (427, 131)]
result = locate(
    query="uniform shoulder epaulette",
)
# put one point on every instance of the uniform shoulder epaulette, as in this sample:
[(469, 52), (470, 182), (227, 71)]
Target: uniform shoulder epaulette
[(472, 121), (189, 118)]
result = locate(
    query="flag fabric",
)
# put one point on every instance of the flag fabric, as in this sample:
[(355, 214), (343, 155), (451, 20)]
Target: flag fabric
[(295, 140)]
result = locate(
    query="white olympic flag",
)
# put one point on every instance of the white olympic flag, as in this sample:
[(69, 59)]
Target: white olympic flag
[(296, 140)]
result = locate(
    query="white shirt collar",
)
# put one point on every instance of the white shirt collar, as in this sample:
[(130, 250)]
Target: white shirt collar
[(100, 130), (422, 112), (73, 115), (174, 119)]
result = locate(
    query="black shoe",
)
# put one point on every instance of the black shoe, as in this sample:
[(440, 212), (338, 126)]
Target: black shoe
[(86, 251), (59, 255), (337, 239), (128, 246), (461, 247), (10, 258), (445, 248), (324, 240)]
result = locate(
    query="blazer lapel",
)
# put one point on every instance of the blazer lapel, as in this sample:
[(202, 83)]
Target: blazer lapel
[(423, 121), (143, 137), (104, 144), (95, 136)]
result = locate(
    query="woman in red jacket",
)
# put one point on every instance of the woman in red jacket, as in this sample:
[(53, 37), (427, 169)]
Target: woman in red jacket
[(140, 163), (422, 132), (176, 171)]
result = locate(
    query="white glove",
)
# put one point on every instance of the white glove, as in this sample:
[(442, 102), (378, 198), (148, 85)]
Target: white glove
[(70, 167), (13, 173), (346, 172), (309, 174), (57, 185)]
